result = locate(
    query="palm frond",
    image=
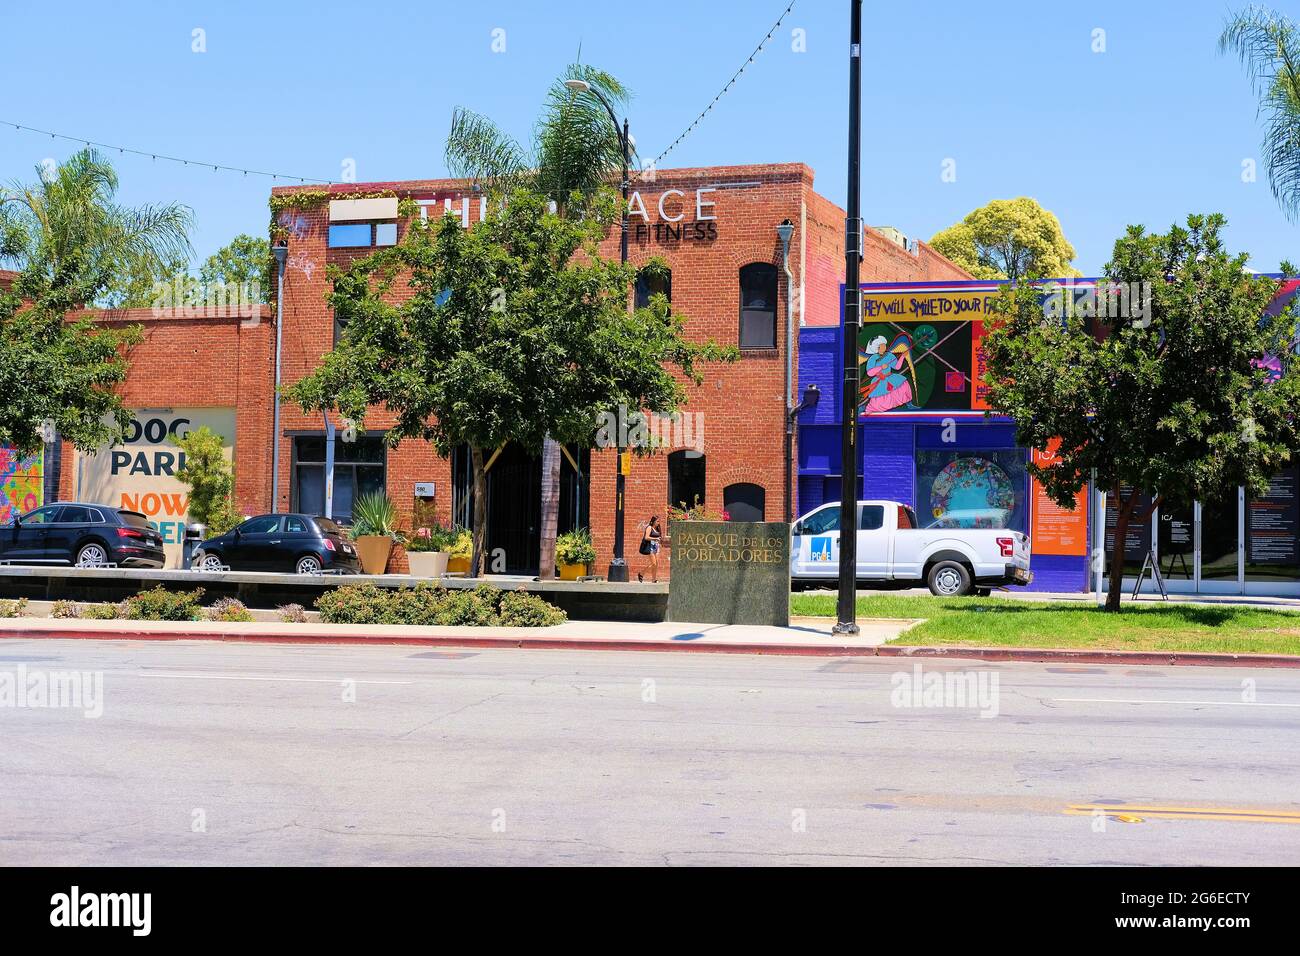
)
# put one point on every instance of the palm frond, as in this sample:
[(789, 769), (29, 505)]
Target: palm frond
[(477, 150), (1268, 45), (578, 144)]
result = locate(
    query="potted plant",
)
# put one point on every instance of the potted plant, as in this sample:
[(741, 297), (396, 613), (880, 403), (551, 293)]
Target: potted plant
[(429, 549), (374, 529), (460, 552), (574, 554)]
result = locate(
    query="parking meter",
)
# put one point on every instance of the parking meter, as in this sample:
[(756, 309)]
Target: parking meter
[(189, 543)]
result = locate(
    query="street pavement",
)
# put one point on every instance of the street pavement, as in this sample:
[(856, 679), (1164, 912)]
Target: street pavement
[(223, 754)]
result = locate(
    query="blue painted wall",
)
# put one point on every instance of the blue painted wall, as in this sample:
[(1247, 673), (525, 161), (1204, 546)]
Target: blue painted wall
[(888, 448)]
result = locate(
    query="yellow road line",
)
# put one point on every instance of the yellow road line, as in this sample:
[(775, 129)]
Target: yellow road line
[(1239, 814)]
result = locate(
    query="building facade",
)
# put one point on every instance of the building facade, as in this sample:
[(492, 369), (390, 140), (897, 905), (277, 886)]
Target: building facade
[(926, 438)]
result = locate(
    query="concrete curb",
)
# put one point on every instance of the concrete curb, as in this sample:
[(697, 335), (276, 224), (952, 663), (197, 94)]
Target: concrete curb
[(541, 642)]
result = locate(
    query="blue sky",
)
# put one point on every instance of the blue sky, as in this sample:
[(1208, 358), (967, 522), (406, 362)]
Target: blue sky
[(1153, 128)]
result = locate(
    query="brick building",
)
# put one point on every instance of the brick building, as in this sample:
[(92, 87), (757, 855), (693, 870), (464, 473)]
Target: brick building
[(715, 227)]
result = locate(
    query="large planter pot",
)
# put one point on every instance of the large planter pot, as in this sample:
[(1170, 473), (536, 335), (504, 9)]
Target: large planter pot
[(427, 564), (571, 572), (458, 565), (373, 550)]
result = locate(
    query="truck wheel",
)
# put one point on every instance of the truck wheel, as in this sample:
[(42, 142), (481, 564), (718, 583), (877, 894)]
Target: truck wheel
[(949, 579), (983, 592)]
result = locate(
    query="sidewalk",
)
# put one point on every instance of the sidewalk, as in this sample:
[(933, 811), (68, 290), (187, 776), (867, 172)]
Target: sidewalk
[(810, 635)]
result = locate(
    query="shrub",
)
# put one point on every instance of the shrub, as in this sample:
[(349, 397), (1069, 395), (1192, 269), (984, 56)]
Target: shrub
[(574, 547), (424, 604), (433, 538), (158, 604), (229, 610), (292, 614), (521, 609), (100, 612), (16, 608), (463, 547), (65, 609)]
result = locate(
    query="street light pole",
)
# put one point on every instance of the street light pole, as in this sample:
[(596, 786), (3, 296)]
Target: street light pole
[(618, 566), (846, 605)]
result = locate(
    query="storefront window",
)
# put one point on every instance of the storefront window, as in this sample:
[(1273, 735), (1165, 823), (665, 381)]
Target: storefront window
[(972, 489), (1219, 538), (1176, 543), (1137, 536), (1273, 530), (359, 468)]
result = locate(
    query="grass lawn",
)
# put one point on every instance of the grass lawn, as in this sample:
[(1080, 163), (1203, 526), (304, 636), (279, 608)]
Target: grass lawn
[(1008, 622)]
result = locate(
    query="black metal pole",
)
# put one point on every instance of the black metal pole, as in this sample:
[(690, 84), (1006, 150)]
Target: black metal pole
[(618, 567), (846, 606)]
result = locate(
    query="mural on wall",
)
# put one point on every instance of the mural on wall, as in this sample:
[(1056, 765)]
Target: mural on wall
[(22, 482), (140, 475), (972, 489), (920, 350)]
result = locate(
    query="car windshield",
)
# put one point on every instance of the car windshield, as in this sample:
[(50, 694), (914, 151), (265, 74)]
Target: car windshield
[(133, 519)]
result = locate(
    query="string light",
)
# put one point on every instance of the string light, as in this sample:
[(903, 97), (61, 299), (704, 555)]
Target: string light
[(216, 167), (730, 83)]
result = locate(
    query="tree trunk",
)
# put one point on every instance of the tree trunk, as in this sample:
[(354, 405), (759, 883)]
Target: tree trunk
[(550, 507), (479, 532), (1124, 510)]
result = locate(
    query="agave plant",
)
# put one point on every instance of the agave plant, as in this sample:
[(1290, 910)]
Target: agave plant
[(375, 514)]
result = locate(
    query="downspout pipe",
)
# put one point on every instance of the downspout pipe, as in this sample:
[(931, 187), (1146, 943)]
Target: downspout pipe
[(281, 253), (784, 232)]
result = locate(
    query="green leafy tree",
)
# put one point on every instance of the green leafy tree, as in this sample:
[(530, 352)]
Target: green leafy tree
[(515, 330), (210, 478), (576, 149), (1015, 239), (1186, 396), (245, 261), (1269, 47), (72, 244)]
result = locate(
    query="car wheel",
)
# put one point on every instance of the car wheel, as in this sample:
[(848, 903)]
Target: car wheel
[(308, 564), (92, 555), (210, 562), (949, 579)]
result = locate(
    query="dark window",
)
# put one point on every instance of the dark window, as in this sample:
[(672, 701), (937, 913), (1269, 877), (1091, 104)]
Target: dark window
[(267, 524), (359, 469), (294, 525), (46, 515), (758, 306), (819, 522), (685, 479), (651, 282), (871, 518), (133, 519), (328, 527), (75, 514), (744, 501)]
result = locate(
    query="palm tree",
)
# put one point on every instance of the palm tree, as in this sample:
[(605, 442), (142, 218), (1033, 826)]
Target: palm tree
[(1269, 47), (66, 233), (575, 151)]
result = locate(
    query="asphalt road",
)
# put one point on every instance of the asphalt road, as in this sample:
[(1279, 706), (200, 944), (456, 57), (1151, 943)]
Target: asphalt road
[(224, 754)]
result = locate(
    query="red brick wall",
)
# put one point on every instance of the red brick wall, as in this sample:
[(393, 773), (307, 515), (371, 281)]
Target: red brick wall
[(206, 363), (742, 404)]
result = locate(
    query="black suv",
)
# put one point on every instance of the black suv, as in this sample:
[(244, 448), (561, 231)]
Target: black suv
[(301, 544), (87, 535)]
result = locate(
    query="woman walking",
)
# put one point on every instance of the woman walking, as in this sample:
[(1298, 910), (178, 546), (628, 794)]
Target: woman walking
[(650, 548)]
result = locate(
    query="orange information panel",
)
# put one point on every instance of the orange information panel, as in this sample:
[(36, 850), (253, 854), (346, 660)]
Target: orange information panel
[(1053, 529)]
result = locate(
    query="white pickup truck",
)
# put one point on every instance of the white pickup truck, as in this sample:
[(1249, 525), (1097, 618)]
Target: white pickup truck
[(893, 548)]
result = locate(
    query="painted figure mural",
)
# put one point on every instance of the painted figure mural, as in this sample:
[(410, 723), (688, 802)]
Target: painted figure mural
[(885, 384)]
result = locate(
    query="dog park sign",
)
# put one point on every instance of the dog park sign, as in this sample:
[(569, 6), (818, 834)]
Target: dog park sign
[(140, 474)]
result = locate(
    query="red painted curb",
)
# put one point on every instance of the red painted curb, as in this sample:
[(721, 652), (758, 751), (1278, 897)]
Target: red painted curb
[(1028, 655)]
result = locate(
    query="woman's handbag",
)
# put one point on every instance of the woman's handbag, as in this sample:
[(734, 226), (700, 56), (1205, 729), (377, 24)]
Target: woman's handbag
[(645, 545)]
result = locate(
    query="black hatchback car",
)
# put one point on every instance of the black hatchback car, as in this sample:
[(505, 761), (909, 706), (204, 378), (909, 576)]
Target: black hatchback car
[(85, 535), (296, 543)]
